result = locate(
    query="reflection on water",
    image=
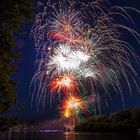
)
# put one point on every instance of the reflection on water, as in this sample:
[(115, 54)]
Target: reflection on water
[(40, 135)]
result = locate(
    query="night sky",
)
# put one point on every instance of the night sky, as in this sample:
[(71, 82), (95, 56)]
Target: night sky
[(26, 70)]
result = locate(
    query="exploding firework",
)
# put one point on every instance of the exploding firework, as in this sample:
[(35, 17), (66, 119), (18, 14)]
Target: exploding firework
[(82, 49), (72, 106), (66, 59), (66, 83)]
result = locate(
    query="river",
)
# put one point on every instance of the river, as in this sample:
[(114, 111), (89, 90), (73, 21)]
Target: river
[(43, 135)]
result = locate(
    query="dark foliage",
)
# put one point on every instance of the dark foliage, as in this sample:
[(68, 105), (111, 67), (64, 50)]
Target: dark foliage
[(124, 121), (13, 15), (5, 123)]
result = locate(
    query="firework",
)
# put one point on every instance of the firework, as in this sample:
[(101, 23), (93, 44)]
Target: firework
[(82, 49), (72, 106), (66, 83), (66, 59)]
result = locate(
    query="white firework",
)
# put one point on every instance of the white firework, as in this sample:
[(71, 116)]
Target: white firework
[(65, 58)]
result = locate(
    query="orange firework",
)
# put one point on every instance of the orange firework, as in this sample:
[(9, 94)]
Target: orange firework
[(72, 106), (67, 83), (67, 27)]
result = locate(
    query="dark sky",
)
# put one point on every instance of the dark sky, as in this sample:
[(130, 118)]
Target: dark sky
[(26, 70)]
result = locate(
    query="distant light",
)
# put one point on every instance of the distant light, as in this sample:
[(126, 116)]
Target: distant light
[(46, 130)]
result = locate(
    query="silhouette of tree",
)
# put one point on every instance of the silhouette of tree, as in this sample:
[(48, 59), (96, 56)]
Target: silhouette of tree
[(13, 15)]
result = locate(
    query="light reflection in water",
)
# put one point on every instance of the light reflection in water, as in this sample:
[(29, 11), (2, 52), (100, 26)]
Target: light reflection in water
[(69, 136), (27, 134)]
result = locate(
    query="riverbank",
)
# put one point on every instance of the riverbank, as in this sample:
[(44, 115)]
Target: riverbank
[(6, 123), (123, 121)]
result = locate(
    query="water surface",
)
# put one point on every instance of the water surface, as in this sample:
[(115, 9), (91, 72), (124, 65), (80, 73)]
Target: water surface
[(45, 135)]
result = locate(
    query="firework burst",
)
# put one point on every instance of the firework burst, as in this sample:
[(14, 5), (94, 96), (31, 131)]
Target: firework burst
[(82, 49), (66, 83), (72, 106), (65, 58)]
